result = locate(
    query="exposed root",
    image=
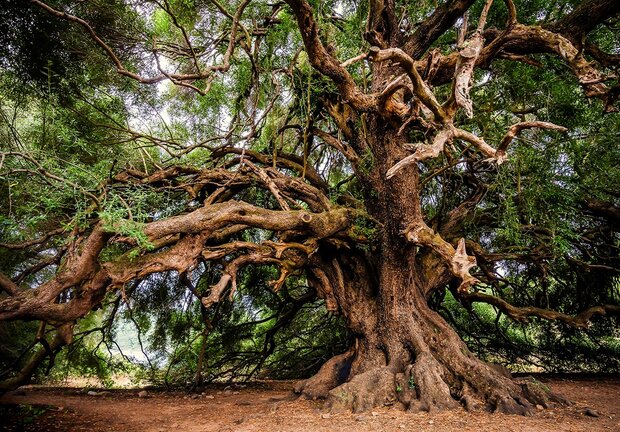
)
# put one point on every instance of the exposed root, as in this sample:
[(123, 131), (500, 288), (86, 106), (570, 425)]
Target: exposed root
[(509, 404), (426, 385), (443, 375), (333, 373), (365, 391), (539, 394), (433, 392), (508, 396), (500, 369), (469, 403)]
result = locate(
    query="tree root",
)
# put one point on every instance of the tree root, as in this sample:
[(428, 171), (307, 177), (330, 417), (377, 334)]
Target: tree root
[(539, 394), (333, 373), (426, 385), (427, 375), (505, 395), (365, 391)]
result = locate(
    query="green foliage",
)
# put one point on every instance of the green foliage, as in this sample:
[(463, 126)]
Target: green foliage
[(15, 339), (22, 416), (256, 334), (411, 382), (127, 216), (76, 123), (536, 345)]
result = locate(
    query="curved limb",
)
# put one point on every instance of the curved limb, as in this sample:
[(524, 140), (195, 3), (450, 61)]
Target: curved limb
[(334, 372)]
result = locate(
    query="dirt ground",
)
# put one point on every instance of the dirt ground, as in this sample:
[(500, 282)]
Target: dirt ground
[(272, 407)]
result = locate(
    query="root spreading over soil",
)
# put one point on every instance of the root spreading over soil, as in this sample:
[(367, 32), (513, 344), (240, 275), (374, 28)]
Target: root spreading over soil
[(274, 407)]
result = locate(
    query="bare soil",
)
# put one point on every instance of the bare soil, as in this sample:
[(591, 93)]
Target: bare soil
[(272, 407)]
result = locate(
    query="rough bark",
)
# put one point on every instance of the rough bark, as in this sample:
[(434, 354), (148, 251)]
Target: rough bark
[(410, 357), (405, 353)]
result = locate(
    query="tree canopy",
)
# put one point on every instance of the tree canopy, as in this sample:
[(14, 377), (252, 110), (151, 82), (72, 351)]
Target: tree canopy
[(262, 189)]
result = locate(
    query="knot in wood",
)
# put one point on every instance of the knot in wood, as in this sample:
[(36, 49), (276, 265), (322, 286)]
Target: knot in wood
[(373, 52), (468, 52)]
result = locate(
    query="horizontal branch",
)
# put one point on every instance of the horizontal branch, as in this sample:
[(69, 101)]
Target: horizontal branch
[(518, 41), (428, 151), (289, 161), (213, 217), (499, 155), (193, 180), (30, 243), (515, 129), (184, 238), (521, 314)]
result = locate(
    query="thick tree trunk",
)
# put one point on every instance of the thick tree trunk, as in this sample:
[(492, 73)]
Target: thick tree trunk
[(405, 353)]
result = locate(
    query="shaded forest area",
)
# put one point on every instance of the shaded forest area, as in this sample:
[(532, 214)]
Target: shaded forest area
[(391, 202)]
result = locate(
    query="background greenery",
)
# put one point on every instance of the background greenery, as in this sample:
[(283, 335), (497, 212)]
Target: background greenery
[(63, 106)]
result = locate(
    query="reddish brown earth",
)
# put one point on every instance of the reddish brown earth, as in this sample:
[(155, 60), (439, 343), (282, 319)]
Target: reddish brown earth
[(272, 407)]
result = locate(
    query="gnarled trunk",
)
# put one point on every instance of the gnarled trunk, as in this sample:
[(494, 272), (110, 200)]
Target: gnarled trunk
[(405, 353)]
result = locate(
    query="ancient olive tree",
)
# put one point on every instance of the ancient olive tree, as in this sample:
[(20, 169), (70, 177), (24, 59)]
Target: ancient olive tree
[(356, 146)]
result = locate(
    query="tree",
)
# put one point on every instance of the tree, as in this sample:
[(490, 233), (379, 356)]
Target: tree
[(289, 146)]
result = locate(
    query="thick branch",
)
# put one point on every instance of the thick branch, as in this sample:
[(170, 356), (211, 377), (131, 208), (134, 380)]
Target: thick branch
[(323, 61), (603, 209), (465, 68), (8, 285), (580, 320), (420, 88), (423, 152), (584, 18), (519, 41), (82, 271), (457, 259), (216, 216), (435, 25)]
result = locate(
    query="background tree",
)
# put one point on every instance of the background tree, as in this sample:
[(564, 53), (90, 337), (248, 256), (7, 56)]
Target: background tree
[(389, 158)]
